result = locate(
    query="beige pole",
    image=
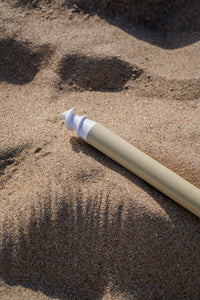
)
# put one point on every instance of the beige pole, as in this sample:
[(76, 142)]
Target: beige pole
[(142, 165)]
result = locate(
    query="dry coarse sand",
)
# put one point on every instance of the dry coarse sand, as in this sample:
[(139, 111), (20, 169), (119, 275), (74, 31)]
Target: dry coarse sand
[(73, 223)]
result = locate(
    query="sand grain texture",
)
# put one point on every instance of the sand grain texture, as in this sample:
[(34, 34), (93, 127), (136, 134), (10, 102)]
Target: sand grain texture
[(74, 224)]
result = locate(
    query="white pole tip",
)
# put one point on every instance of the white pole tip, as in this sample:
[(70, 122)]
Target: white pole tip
[(67, 117)]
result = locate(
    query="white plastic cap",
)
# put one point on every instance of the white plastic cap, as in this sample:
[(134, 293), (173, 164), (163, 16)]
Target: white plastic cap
[(78, 123)]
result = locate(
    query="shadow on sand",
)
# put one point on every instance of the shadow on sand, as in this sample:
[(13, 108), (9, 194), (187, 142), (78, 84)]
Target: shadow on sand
[(166, 23), (77, 245), (169, 24)]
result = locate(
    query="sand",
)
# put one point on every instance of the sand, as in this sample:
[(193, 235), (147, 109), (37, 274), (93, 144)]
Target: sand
[(74, 224)]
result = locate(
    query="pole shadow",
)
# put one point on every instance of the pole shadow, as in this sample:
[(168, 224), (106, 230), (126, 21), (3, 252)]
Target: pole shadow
[(171, 207)]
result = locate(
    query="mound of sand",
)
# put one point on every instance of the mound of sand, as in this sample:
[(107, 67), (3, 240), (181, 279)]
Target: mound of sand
[(74, 224)]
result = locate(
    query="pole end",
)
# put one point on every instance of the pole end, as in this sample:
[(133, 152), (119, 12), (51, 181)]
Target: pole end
[(67, 115)]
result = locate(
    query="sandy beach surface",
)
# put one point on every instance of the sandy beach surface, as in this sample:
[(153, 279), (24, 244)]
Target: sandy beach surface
[(73, 223)]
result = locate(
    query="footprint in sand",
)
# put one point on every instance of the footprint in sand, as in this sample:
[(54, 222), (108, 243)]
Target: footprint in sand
[(19, 63), (93, 73)]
